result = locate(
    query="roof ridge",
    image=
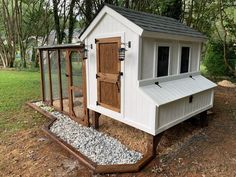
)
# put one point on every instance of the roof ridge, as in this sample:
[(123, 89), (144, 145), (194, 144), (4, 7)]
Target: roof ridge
[(125, 10), (141, 12)]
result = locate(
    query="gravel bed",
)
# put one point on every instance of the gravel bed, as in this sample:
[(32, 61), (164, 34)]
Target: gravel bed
[(97, 146)]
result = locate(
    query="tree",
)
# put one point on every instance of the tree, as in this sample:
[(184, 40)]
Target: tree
[(65, 14), (228, 26)]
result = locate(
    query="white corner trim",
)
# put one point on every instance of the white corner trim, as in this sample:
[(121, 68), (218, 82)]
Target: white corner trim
[(199, 52), (107, 10)]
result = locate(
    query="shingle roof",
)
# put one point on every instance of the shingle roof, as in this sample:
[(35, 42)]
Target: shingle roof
[(156, 23)]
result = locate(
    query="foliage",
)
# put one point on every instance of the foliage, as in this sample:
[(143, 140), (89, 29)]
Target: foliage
[(23, 23), (214, 61), (26, 24)]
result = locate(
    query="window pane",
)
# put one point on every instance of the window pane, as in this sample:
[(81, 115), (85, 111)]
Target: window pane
[(163, 60), (184, 59)]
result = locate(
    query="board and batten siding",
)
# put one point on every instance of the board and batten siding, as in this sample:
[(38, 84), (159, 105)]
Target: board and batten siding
[(149, 56), (179, 110), (133, 104)]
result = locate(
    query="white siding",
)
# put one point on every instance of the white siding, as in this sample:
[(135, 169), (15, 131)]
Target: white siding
[(195, 52), (147, 64), (170, 114), (174, 61), (148, 56)]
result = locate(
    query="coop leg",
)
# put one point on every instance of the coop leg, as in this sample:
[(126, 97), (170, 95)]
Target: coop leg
[(153, 141), (95, 121), (86, 119), (203, 119)]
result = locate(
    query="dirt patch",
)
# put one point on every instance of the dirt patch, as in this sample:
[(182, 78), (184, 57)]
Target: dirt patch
[(226, 83), (185, 150)]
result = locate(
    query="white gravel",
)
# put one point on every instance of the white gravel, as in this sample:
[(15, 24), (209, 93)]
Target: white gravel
[(97, 146)]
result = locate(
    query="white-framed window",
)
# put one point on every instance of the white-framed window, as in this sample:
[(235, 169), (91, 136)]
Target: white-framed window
[(162, 59), (184, 58)]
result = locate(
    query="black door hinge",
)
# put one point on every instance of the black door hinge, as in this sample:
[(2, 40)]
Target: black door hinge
[(96, 41), (97, 76), (97, 103)]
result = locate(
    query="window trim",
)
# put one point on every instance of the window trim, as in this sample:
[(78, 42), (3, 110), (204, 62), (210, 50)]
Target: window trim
[(162, 44), (179, 57)]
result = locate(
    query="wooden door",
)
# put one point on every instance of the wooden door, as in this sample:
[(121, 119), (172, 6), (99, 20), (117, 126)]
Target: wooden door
[(76, 85), (108, 73)]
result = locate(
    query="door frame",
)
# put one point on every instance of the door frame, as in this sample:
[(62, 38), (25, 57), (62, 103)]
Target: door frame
[(72, 88), (107, 40)]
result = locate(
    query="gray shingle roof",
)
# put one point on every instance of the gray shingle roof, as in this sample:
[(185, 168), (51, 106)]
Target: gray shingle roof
[(156, 23)]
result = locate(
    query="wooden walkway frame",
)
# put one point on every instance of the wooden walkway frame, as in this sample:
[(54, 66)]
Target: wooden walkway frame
[(152, 142)]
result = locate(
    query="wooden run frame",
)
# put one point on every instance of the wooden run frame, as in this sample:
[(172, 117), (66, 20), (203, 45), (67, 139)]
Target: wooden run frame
[(152, 142), (68, 49)]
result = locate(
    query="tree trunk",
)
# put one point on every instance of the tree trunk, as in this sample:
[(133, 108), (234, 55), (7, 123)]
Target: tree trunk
[(71, 21), (57, 21), (3, 61), (88, 11)]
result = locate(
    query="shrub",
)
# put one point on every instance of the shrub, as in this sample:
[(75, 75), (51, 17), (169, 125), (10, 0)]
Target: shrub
[(214, 58)]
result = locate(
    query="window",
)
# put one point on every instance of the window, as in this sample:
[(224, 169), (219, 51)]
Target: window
[(163, 61), (185, 53)]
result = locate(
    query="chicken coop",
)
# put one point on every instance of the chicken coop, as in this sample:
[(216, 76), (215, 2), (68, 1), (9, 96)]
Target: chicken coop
[(140, 69)]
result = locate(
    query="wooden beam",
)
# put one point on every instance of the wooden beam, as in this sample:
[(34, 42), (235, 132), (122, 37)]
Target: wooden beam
[(50, 78), (69, 74), (203, 119), (95, 120), (59, 78), (42, 75), (152, 142), (84, 87)]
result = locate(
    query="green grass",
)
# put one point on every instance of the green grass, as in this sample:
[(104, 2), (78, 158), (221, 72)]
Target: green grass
[(16, 88)]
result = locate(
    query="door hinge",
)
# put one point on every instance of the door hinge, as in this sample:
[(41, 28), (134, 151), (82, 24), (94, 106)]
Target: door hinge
[(121, 73), (97, 103), (96, 41), (97, 76)]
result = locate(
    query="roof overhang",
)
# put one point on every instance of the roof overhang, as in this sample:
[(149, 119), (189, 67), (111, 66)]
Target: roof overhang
[(107, 10), (173, 36), (170, 91)]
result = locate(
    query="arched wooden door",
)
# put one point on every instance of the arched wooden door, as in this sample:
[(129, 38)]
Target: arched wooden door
[(108, 73)]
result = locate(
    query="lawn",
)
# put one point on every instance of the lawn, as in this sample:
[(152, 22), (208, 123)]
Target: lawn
[(16, 88)]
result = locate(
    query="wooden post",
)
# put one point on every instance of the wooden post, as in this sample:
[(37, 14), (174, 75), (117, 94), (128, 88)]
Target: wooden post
[(59, 78), (69, 75), (153, 141), (95, 120), (84, 88), (50, 78), (42, 74), (203, 119)]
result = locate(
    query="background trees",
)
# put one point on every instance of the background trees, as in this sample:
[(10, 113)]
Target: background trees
[(25, 24)]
